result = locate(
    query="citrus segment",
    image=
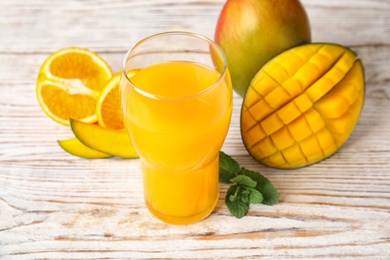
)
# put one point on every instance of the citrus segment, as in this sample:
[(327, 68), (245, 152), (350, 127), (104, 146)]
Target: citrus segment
[(108, 109), (58, 104), (69, 83)]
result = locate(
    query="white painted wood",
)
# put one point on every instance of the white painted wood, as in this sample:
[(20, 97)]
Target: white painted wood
[(56, 206)]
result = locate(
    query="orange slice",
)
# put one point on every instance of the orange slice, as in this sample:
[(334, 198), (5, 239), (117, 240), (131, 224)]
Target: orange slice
[(108, 108), (69, 83)]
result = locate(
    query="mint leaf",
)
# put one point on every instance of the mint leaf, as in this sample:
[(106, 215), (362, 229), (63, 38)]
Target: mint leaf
[(244, 180), (264, 186), (250, 195), (248, 187), (236, 207), (255, 197), (244, 196), (234, 196), (228, 168)]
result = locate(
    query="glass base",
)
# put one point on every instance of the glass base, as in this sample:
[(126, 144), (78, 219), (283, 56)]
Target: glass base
[(182, 220), (181, 197)]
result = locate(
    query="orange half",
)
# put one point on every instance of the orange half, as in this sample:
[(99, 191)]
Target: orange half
[(69, 83)]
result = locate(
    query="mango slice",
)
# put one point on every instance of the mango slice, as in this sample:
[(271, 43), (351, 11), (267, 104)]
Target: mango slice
[(77, 148), (105, 140), (302, 106)]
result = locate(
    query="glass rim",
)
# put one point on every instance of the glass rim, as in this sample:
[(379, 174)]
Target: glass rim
[(168, 98)]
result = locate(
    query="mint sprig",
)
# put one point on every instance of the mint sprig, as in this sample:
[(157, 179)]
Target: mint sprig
[(248, 187)]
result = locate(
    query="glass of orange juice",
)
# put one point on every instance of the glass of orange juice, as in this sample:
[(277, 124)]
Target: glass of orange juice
[(177, 109)]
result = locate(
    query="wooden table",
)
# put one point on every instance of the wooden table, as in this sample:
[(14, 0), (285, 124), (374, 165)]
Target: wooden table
[(54, 205)]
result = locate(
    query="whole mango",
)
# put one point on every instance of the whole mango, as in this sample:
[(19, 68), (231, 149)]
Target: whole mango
[(302, 106), (251, 32)]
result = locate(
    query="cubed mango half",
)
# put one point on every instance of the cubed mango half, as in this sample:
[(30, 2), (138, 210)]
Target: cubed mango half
[(305, 103)]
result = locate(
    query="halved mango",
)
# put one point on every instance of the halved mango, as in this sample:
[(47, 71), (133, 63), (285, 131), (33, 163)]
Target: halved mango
[(77, 148), (304, 103), (105, 140)]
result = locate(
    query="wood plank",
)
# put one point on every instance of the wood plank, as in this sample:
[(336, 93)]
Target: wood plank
[(57, 206), (118, 25)]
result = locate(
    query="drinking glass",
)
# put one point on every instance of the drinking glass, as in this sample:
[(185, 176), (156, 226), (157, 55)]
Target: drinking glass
[(176, 96)]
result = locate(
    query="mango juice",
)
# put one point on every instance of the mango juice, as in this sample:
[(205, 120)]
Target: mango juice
[(177, 116)]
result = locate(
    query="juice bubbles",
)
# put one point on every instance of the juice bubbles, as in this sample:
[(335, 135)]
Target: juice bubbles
[(177, 115)]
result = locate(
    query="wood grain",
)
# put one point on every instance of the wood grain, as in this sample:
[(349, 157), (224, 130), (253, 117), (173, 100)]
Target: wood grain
[(57, 206)]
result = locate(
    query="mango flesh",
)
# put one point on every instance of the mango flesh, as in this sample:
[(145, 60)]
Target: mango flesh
[(105, 140), (302, 106), (251, 32), (77, 148)]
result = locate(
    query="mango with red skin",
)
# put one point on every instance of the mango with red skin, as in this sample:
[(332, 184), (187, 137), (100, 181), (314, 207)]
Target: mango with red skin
[(251, 32)]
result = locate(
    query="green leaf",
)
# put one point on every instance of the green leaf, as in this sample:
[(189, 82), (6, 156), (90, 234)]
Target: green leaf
[(248, 187), (264, 186), (228, 168), (244, 197), (244, 180), (234, 196), (255, 197), (237, 208)]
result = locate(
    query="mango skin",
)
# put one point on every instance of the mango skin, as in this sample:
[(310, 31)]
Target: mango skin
[(105, 140), (303, 105), (77, 148), (251, 32)]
